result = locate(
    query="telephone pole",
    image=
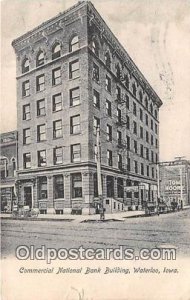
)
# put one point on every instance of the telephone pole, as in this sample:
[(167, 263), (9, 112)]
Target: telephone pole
[(179, 158), (99, 179)]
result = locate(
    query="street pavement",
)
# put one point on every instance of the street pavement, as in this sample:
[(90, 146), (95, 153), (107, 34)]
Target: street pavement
[(136, 233)]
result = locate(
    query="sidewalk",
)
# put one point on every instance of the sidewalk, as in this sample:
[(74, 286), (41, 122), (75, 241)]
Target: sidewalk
[(121, 216)]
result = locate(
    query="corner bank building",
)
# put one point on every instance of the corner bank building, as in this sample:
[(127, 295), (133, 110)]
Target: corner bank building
[(73, 75)]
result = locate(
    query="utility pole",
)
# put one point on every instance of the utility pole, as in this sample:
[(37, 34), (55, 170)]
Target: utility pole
[(99, 179), (158, 179), (179, 158)]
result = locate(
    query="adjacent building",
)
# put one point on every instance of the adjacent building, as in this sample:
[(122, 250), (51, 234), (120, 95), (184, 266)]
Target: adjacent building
[(175, 181), (8, 166), (73, 75)]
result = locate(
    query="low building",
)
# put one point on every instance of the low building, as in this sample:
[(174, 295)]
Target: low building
[(175, 182), (8, 166)]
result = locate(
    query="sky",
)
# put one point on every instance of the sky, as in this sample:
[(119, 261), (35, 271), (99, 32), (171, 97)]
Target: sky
[(154, 33)]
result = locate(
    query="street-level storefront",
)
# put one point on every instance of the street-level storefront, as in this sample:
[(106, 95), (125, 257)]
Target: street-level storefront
[(7, 198)]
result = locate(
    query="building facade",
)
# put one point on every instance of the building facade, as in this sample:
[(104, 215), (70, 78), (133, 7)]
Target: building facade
[(73, 75), (175, 182), (8, 166)]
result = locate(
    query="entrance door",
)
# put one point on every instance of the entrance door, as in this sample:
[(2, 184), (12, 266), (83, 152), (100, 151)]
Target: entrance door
[(28, 196)]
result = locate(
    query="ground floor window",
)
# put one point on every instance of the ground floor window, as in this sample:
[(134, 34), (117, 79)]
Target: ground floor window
[(58, 186), (110, 186), (42, 188), (76, 185), (119, 187)]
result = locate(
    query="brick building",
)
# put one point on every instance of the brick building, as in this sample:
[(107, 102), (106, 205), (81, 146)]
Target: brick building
[(73, 75), (8, 165)]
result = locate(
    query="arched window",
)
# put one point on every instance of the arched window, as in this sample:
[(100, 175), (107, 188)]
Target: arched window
[(95, 47), (108, 60), (13, 160), (4, 168), (56, 51), (118, 71), (25, 65), (134, 89), (40, 58), (74, 43)]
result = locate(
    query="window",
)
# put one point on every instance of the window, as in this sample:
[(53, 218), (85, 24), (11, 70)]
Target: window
[(40, 59), (96, 99), (75, 153), (134, 108), (119, 138), (141, 132), (95, 73), (126, 82), (140, 96), (108, 84), (118, 93), (42, 190), (75, 96), (119, 115), (156, 158), (128, 164), (151, 108), (13, 160), (58, 155), (58, 187), (56, 51), (146, 119), (147, 171), (108, 108), (156, 114), (26, 160), (57, 129), (74, 43), (128, 142), (95, 47), (57, 102), (109, 158), (156, 128), (25, 65), (127, 101), (134, 127), (108, 60), (146, 103), (141, 150), (134, 89), (135, 147), (96, 124), (109, 133), (41, 111), (26, 88), (151, 124), (76, 185), (153, 172), (26, 112), (74, 70), (152, 156), (41, 133), (136, 166), (119, 160), (142, 169), (147, 137), (152, 140), (120, 189), (156, 143), (118, 71), (26, 136), (110, 186), (42, 158), (141, 114), (75, 124), (127, 122), (56, 76), (40, 83), (147, 153)]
